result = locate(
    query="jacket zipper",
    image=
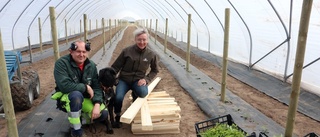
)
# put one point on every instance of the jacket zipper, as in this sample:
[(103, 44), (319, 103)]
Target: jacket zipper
[(137, 67)]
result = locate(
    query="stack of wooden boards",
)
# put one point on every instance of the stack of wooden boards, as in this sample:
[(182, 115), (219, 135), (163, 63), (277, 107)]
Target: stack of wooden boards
[(158, 113)]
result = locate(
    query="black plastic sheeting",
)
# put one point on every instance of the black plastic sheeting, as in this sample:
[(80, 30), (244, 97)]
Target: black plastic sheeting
[(309, 103), (206, 92), (48, 121)]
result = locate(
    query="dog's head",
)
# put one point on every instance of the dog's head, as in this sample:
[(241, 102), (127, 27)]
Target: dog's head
[(107, 77)]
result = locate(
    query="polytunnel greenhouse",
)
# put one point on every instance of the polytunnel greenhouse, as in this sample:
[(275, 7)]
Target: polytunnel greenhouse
[(253, 64)]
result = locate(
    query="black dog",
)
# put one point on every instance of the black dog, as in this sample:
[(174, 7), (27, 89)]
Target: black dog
[(107, 79)]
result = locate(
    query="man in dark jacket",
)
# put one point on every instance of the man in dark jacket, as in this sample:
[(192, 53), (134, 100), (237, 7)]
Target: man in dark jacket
[(78, 91), (133, 63)]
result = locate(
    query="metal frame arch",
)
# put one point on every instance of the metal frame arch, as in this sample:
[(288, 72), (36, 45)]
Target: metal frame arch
[(174, 19), (70, 10), (12, 38), (172, 16), (160, 6), (286, 40), (49, 15), (104, 9), (168, 7), (191, 19), (186, 13), (64, 10), (203, 23), (101, 9), (5, 5), (37, 16), (176, 11), (214, 14), (83, 9), (92, 8), (96, 16), (89, 7), (167, 13), (65, 16), (75, 14), (155, 16), (150, 5), (234, 8)]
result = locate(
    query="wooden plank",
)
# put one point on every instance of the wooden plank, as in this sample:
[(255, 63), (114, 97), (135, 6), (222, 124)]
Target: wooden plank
[(162, 103), (164, 108), (171, 131), (167, 112), (146, 121), (173, 115), (160, 99), (158, 95), (158, 92), (132, 111), (163, 112), (157, 132), (157, 119), (158, 126), (155, 106)]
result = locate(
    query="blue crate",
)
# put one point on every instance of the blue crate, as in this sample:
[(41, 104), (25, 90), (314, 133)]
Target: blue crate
[(12, 62)]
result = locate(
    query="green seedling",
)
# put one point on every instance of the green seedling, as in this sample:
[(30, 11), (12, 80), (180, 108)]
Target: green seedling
[(224, 130), (264, 129)]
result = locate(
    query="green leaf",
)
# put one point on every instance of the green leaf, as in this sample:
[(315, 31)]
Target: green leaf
[(223, 130)]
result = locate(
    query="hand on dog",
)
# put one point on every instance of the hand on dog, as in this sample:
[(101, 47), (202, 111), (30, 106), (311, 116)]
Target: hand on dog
[(142, 82), (95, 112)]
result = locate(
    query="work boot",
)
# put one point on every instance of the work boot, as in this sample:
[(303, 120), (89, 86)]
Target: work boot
[(117, 123), (77, 133)]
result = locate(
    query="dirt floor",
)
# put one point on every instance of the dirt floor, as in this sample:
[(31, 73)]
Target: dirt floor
[(190, 112)]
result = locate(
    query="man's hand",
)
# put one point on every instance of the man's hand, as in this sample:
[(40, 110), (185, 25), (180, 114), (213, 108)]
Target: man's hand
[(90, 91), (142, 82), (95, 112)]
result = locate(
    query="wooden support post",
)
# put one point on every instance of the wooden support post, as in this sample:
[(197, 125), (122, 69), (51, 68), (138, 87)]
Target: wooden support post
[(110, 37), (150, 25), (155, 33), (146, 23), (188, 43), (165, 36), (104, 36), (132, 111), (96, 24), (66, 31), (40, 34), (30, 50), (115, 26), (225, 54), (6, 95), (85, 27), (90, 27), (298, 66), (54, 33), (80, 34)]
